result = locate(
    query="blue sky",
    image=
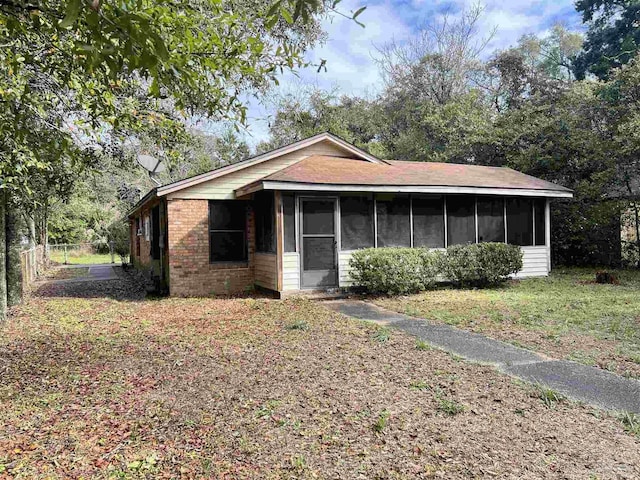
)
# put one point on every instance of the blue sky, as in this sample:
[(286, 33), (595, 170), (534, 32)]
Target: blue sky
[(349, 48)]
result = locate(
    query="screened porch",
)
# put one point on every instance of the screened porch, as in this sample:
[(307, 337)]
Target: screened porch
[(319, 231)]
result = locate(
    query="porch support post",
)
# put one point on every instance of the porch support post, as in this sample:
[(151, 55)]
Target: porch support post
[(547, 231), (279, 239)]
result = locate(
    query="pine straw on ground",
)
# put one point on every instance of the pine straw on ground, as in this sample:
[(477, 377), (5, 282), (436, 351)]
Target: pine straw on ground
[(564, 316), (105, 386)]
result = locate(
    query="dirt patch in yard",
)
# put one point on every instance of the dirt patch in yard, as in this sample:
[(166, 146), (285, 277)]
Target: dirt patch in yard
[(249, 388)]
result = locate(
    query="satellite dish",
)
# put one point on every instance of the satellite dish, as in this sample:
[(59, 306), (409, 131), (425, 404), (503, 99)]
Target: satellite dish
[(151, 164)]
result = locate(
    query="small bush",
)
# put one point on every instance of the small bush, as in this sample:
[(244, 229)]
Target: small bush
[(394, 271), (481, 264), (118, 233), (400, 271)]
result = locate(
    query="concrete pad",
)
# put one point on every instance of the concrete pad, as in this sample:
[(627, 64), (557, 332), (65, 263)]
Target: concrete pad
[(364, 311), (581, 382), (578, 382), (102, 272)]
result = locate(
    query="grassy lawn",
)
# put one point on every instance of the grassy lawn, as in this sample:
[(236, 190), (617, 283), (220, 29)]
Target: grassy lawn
[(565, 315), (81, 258), (98, 382)]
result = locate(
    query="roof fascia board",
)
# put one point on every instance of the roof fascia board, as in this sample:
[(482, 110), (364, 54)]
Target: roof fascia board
[(190, 182), (271, 185), (139, 204)]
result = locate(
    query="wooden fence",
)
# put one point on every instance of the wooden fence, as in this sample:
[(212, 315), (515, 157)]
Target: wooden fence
[(32, 262)]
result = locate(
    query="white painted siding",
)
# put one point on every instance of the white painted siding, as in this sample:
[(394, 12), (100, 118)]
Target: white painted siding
[(534, 262), (291, 271), (344, 279), (222, 188), (266, 270)]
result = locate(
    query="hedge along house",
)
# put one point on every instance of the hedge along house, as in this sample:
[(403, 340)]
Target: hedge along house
[(290, 219)]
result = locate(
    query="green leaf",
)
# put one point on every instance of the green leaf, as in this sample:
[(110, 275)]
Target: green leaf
[(298, 10), (273, 10), (270, 23), (71, 14), (358, 12), (286, 15), (160, 47)]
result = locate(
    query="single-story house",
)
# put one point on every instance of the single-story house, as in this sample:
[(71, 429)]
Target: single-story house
[(289, 219)]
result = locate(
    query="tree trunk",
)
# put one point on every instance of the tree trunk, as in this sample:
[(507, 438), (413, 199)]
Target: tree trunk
[(13, 265), (44, 241), (3, 251), (31, 227)]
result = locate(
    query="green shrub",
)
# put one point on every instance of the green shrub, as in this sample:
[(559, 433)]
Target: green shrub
[(118, 232), (481, 264), (394, 270), (399, 271)]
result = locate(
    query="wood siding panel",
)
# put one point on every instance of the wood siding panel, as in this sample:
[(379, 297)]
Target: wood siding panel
[(290, 271), (222, 188), (344, 279), (266, 270), (534, 262)]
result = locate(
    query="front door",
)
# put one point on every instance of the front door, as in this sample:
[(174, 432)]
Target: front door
[(318, 242)]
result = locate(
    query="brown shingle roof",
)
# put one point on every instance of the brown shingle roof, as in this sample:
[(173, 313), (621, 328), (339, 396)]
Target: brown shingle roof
[(319, 169)]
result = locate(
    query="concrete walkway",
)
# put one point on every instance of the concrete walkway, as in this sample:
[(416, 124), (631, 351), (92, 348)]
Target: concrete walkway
[(578, 382)]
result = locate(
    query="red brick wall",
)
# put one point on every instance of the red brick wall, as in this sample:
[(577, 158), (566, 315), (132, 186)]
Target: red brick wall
[(190, 273)]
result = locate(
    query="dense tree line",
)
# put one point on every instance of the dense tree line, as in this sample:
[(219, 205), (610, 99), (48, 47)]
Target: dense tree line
[(554, 107)]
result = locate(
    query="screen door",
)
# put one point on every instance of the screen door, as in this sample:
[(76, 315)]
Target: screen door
[(318, 242)]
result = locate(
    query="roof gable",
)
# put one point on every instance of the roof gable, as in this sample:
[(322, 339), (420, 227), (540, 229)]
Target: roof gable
[(349, 149)]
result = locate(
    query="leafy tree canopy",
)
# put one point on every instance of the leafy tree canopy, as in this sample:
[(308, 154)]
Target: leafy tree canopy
[(79, 76), (613, 36)]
